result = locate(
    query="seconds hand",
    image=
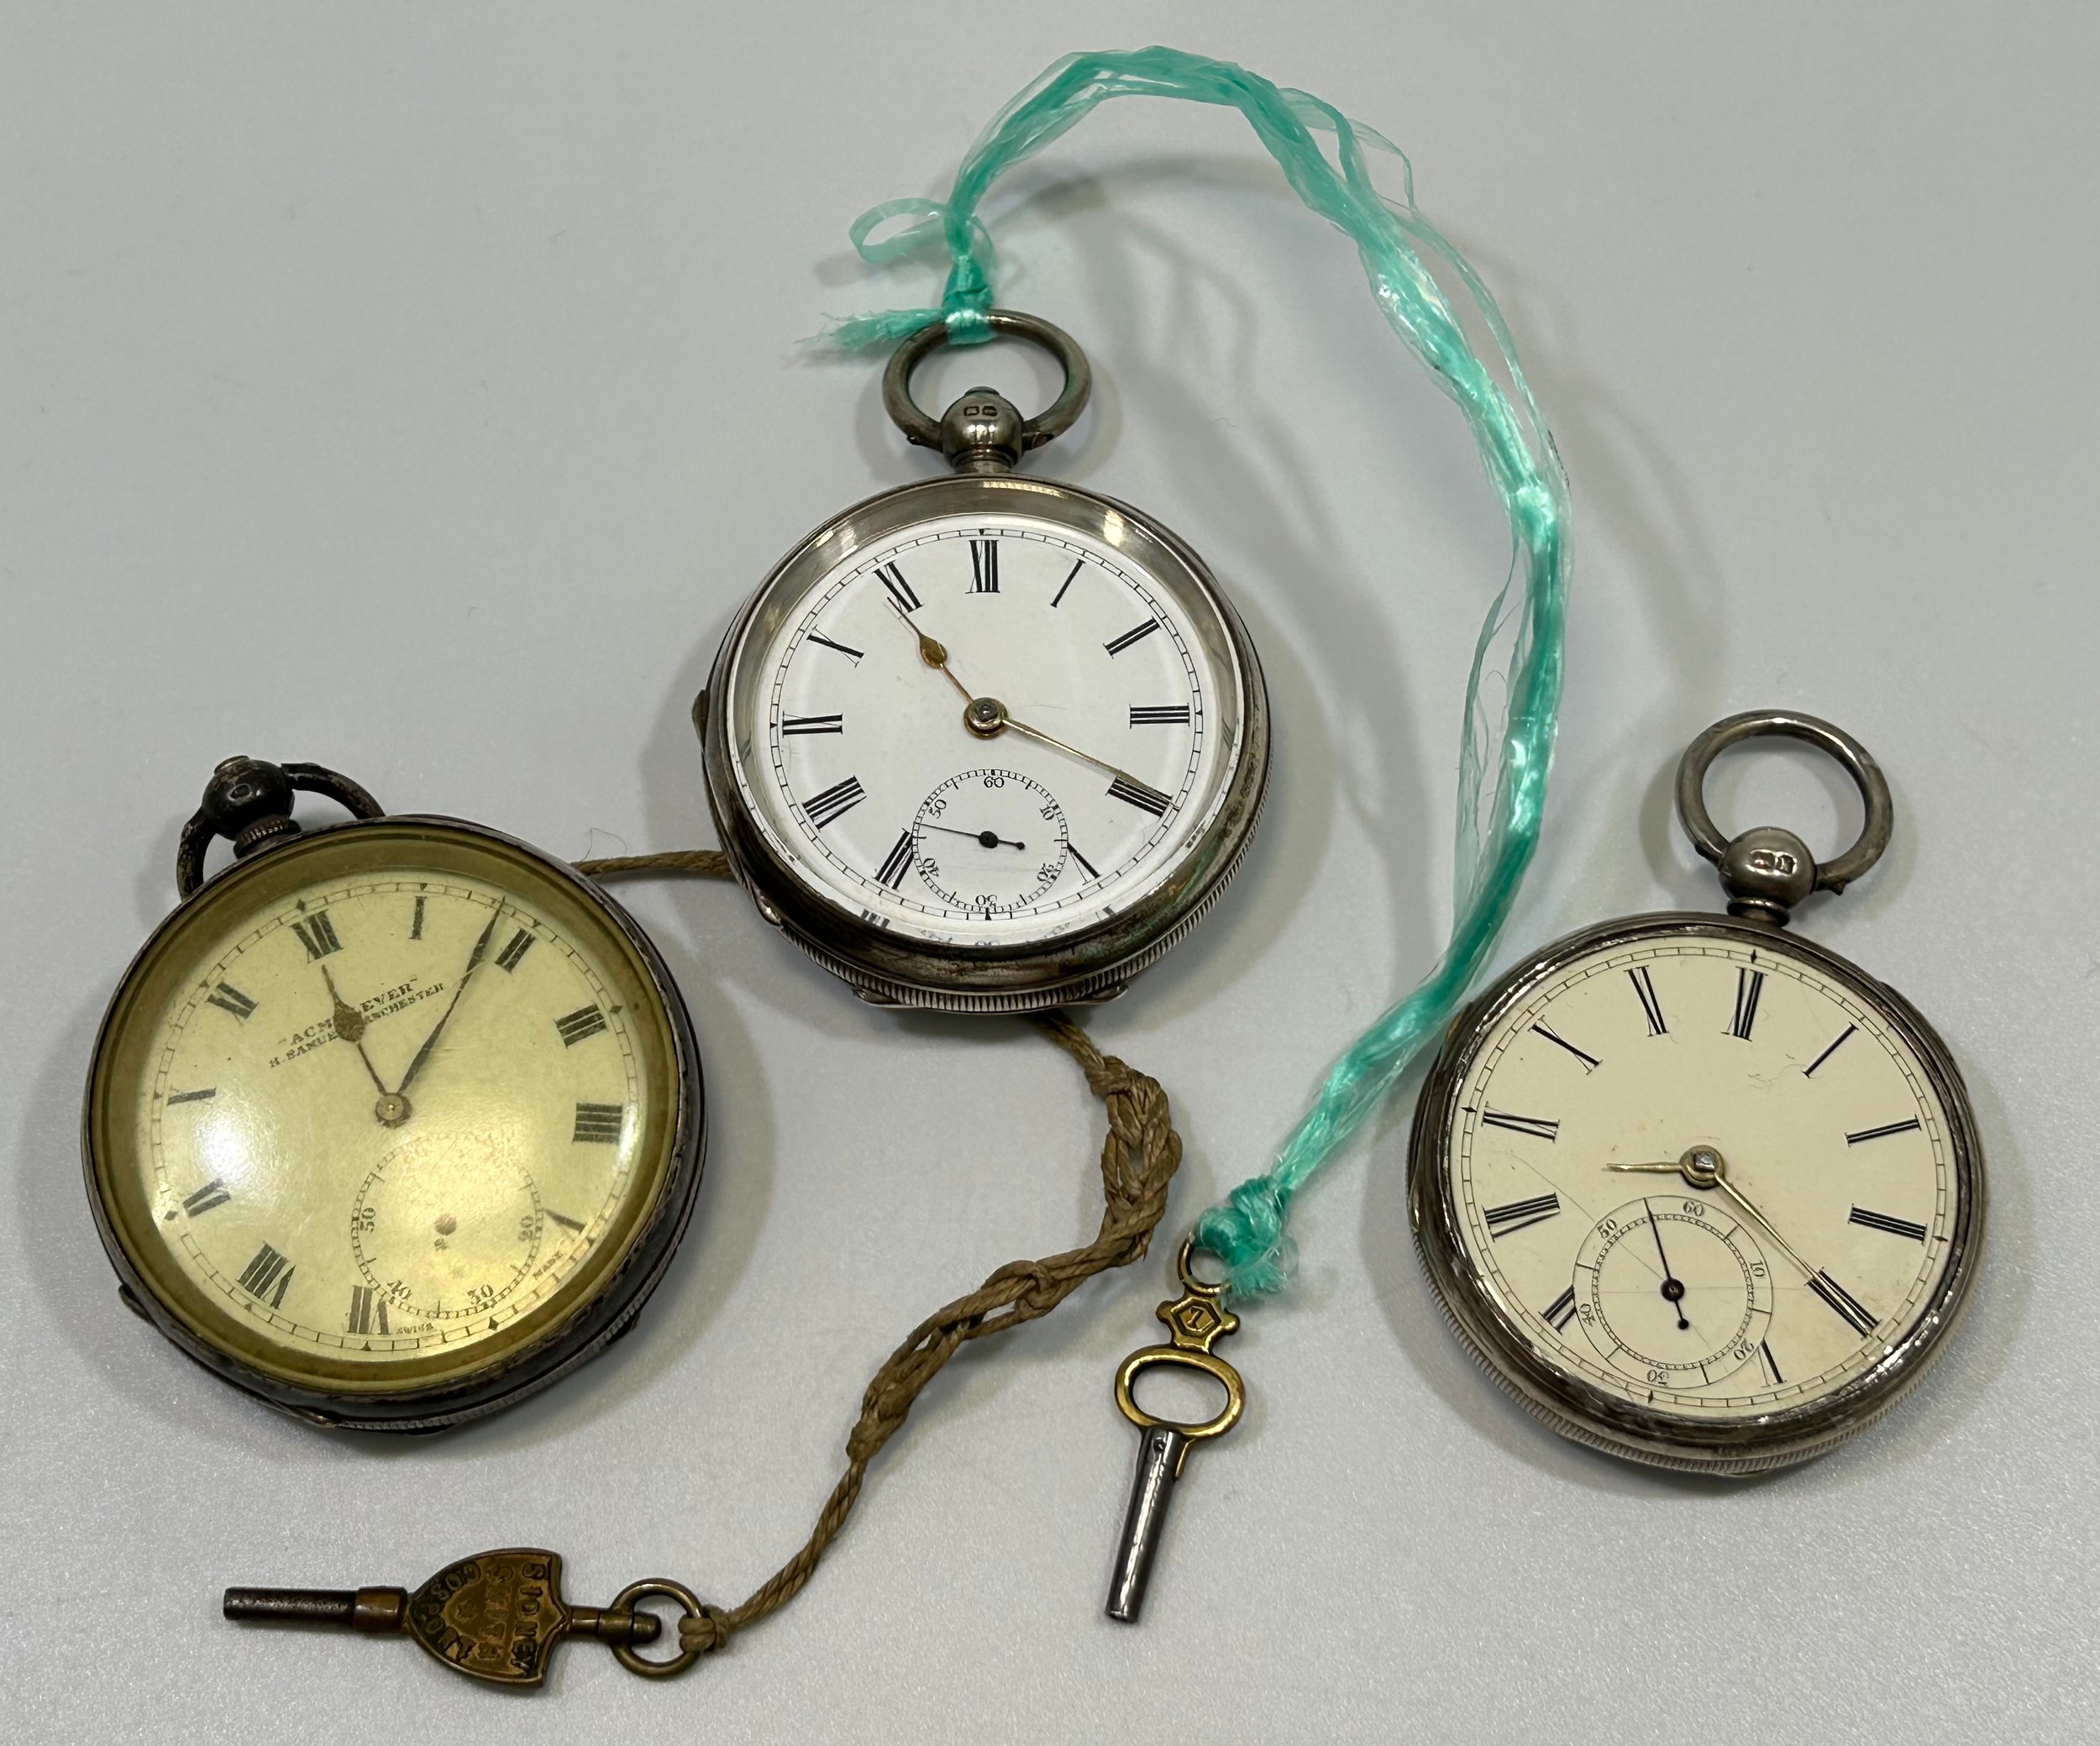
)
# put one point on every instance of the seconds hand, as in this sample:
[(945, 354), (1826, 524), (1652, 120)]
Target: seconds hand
[(1674, 1298), (991, 839)]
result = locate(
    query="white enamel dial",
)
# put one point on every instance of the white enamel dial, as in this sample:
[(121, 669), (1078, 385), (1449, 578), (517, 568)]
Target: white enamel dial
[(853, 744), (1818, 1219)]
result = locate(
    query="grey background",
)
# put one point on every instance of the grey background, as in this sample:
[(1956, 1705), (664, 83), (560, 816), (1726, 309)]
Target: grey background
[(414, 389)]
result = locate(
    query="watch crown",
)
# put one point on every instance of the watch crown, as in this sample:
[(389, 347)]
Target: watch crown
[(248, 801), (1766, 871), (981, 432)]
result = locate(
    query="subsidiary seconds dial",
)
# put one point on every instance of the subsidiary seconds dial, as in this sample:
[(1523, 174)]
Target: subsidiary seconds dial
[(393, 1122), (957, 848), (986, 627), (1700, 1191)]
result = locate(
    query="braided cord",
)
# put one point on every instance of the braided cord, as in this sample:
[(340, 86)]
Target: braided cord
[(1139, 1156), (1513, 690)]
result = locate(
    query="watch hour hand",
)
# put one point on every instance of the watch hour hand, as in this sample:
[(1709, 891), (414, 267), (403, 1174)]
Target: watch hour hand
[(986, 717), (931, 651), (1704, 1167), (349, 1025)]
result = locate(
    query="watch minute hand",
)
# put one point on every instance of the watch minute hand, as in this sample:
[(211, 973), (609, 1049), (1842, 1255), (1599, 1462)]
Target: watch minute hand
[(986, 716), (1742, 1204), (1704, 1167), (430, 1042), (1084, 757)]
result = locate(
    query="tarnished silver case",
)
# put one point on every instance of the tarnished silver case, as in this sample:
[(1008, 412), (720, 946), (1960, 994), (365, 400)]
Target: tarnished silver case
[(1093, 966), (1587, 1414), (607, 1313)]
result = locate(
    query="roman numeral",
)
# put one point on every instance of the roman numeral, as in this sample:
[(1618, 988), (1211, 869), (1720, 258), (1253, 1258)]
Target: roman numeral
[(229, 998), (835, 802), (509, 957), (1749, 986), (599, 1124), (1090, 872), (586, 1021), (1137, 634), (1894, 1227), (853, 654), (892, 579), (1561, 1310), (1590, 1062), (1536, 1126), (1644, 987), (1154, 715), (1770, 1363), (1146, 799), (1068, 581), (1894, 1127), (268, 1269), (892, 871), (415, 920), (1518, 1213), (812, 724), (1808, 1072), (984, 566), (317, 933), (563, 1220), (211, 1194), (1850, 1307), (366, 1309), (192, 1097)]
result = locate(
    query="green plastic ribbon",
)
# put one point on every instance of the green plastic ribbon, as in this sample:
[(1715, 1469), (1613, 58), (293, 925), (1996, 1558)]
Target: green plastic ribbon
[(1507, 743)]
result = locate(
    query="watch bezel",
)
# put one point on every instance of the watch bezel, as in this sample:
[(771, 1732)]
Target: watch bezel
[(513, 1371), (1576, 1407), (1089, 964)]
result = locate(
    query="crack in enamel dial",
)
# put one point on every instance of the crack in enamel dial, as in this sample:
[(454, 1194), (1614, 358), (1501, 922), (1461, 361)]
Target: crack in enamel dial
[(1699, 1192)]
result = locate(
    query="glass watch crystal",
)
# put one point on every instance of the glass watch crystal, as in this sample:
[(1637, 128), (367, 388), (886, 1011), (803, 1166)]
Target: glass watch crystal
[(393, 1122)]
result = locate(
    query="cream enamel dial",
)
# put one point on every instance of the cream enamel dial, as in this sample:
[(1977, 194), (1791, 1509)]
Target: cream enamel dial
[(1693, 1178), (382, 1109)]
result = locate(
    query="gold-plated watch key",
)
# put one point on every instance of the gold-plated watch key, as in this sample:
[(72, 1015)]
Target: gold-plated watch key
[(391, 1122), (495, 1617)]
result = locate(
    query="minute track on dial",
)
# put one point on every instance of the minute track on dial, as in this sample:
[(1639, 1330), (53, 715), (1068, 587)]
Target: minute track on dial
[(1013, 589)]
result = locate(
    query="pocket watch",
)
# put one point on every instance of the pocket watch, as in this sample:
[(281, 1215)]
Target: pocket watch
[(986, 743), (392, 1122), (1697, 1191)]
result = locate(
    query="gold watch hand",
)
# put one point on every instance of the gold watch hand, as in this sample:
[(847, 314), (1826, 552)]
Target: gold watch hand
[(931, 653), (1086, 758), (1743, 1204), (987, 718), (1704, 1167)]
